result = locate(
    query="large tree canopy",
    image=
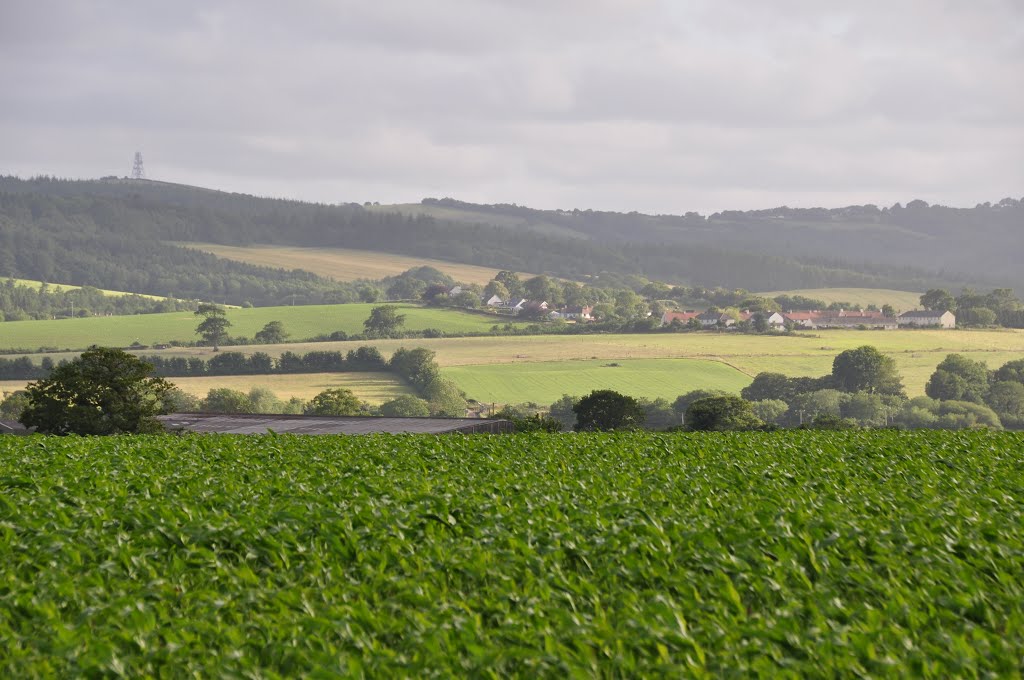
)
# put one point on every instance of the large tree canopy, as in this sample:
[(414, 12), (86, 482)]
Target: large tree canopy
[(104, 391), (865, 369), (608, 410)]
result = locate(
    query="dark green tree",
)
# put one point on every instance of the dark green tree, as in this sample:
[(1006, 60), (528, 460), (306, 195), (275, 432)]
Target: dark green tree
[(512, 283), (271, 334), (958, 378), (445, 398), (865, 369), (104, 391), (384, 321), (405, 406), (226, 400), (562, 411), (334, 402), (719, 414), (683, 401), (939, 300), (607, 410), (214, 326), (1011, 370), (1006, 398)]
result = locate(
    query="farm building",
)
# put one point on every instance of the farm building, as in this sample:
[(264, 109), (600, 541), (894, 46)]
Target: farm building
[(926, 317), (682, 317), (293, 424)]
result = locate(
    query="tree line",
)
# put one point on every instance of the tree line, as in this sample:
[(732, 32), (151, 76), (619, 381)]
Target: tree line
[(114, 235)]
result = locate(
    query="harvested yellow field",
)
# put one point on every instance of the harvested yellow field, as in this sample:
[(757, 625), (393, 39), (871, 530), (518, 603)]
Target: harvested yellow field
[(342, 264)]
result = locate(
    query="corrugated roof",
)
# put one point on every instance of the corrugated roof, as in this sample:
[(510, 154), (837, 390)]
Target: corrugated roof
[(293, 424)]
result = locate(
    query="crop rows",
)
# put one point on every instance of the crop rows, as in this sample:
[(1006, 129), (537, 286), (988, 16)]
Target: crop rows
[(776, 554)]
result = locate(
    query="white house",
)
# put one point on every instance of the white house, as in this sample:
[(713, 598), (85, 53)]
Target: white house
[(927, 317), (494, 301)]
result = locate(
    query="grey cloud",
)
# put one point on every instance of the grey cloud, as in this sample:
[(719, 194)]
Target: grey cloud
[(622, 104)]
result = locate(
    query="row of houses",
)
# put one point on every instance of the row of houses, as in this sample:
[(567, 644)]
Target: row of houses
[(520, 305), (813, 319)]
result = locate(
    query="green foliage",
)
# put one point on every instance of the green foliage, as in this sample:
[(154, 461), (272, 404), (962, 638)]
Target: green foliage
[(226, 400), (770, 410), (384, 321), (445, 398), (13, 404), (720, 414), (607, 410), (405, 406), (925, 412), (865, 369), (1006, 398), (797, 554), (335, 402), (104, 391), (271, 334), (214, 327), (563, 410), (939, 300), (959, 378), (683, 401)]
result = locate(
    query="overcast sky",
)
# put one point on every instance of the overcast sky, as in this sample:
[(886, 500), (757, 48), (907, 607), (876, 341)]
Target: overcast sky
[(655, 106)]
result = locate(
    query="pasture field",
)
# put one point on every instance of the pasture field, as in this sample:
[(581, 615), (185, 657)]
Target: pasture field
[(901, 300), (916, 352), (790, 554), (61, 287), (300, 322), (545, 382), (343, 264)]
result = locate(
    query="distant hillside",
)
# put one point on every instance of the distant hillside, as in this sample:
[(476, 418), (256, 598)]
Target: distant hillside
[(113, 233)]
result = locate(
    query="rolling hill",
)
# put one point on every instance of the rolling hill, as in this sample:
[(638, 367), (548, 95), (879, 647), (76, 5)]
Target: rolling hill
[(113, 234)]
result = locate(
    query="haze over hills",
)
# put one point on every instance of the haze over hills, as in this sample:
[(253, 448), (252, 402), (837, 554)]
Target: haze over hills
[(113, 234)]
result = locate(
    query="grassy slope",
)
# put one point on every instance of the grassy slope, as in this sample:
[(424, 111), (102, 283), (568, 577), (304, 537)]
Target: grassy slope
[(300, 322), (916, 352), (546, 382), (343, 264), (902, 300), (59, 287)]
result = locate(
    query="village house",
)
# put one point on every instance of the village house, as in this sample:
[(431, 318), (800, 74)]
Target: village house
[(573, 313), (925, 317), (710, 319), (774, 320), (494, 301), (842, 318), (682, 317)]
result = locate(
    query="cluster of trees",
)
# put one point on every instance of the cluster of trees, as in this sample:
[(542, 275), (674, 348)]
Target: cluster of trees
[(20, 302), (863, 390), (972, 308)]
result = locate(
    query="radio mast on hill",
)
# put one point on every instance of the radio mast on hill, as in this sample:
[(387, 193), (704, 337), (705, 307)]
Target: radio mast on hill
[(138, 172)]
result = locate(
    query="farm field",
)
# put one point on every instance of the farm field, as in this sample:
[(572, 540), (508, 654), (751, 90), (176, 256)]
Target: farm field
[(840, 554), (300, 322), (343, 264), (901, 300), (372, 387), (916, 352), (375, 388), (61, 287), (545, 382)]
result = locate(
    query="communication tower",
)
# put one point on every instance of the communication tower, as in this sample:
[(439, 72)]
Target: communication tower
[(138, 172)]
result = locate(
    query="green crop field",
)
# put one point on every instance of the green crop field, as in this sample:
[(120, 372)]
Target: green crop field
[(544, 382), (864, 554), (343, 264), (902, 300), (300, 322)]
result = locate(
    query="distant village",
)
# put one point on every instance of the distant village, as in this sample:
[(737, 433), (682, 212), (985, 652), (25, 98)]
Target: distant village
[(810, 319)]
